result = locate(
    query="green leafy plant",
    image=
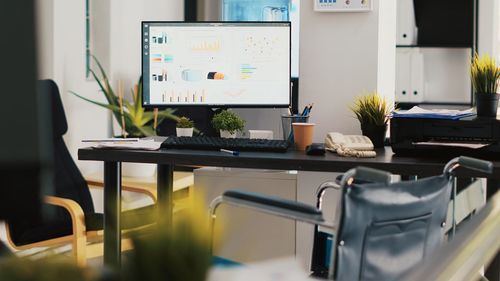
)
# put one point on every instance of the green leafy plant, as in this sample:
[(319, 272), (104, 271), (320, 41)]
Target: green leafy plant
[(185, 122), (137, 122), (372, 109), (228, 121), (48, 269), (485, 74), (176, 251)]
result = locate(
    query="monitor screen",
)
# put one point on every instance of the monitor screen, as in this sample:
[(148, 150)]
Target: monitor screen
[(226, 64)]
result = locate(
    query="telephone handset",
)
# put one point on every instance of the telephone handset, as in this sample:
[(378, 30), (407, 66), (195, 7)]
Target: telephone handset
[(349, 145)]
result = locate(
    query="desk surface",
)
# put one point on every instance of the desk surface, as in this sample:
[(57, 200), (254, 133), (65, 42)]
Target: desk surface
[(291, 160)]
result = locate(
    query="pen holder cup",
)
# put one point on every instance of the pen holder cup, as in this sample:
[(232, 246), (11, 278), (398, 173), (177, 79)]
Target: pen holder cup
[(287, 120)]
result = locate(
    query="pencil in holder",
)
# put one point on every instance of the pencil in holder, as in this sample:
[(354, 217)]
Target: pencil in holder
[(286, 122)]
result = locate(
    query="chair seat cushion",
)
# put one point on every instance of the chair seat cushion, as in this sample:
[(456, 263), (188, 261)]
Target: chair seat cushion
[(93, 222)]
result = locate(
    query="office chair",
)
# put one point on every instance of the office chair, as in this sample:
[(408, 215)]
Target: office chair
[(74, 220), (384, 228)]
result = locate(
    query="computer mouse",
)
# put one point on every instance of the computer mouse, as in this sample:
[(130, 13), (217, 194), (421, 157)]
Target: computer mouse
[(315, 149)]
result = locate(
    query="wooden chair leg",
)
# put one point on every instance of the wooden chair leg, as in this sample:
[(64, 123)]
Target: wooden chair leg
[(80, 249)]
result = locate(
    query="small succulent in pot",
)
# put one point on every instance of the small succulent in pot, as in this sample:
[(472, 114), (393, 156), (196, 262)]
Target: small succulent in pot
[(184, 127), (228, 123)]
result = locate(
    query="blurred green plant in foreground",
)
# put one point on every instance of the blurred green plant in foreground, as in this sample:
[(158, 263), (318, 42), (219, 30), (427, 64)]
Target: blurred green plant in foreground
[(49, 269), (177, 252)]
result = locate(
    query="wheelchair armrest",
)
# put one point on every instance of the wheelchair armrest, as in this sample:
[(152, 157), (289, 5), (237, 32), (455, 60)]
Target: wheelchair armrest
[(274, 205)]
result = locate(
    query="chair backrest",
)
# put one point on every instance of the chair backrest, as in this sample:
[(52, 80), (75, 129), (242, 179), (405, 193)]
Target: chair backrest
[(69, 182), (386, 229)]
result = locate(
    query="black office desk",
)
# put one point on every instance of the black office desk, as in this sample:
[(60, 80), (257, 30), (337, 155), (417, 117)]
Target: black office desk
[(292, 160)]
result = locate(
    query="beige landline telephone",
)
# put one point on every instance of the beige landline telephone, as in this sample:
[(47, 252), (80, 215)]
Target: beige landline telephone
[(351, 145)]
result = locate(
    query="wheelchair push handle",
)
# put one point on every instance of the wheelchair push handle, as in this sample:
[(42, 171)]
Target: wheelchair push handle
[(476, 164), (372, 175)]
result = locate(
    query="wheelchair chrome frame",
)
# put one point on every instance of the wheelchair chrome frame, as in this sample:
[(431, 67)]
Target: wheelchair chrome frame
[(347, 180), (272, 211)]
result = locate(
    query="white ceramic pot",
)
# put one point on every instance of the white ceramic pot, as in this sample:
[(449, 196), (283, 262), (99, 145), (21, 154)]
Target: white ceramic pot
[(227, 134), (138, 170), (184, 132)]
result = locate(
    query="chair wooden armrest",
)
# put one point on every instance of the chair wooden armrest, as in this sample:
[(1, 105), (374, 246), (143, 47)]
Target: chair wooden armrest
[(146, 186), (144, 190), (78, 225)]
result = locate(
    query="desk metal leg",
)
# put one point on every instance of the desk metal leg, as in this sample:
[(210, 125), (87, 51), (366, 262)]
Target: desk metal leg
[(165, 190), (493, 270), (112, 212)]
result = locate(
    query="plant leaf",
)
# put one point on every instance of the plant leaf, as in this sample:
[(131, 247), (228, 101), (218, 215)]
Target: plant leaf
[(111, 98), (108, 106), (138, 94), (146, 131)]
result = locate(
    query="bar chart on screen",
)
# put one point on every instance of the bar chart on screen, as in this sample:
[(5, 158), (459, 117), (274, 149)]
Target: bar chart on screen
[(187, 96), (206, 45)]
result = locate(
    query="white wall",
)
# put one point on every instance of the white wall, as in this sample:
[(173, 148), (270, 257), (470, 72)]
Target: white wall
[(45, 37), (125, 44), (386, 66), (84, 120), (488, 25), (342, 55), (62, 57)]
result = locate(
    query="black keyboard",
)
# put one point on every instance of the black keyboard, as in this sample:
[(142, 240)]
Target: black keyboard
[(214, 143)]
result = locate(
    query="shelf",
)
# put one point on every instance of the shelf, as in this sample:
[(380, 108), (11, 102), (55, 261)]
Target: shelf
[(408, 105), (429, 46)]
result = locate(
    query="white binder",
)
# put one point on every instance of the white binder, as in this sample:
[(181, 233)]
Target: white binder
[(406, 24), (417, 76), (403, 74)]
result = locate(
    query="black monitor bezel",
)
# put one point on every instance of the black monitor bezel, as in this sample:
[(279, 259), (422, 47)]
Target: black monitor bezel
[(161, 106)]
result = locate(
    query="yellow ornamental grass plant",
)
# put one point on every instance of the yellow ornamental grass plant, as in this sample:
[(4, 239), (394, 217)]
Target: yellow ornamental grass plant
[(485, 74), (372, 109)]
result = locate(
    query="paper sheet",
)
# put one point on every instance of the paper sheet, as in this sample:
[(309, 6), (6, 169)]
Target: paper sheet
[(142, 144), (453, 144), (418, 112)]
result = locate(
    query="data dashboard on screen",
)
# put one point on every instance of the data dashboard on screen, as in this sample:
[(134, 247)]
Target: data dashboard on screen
[(229, 64)]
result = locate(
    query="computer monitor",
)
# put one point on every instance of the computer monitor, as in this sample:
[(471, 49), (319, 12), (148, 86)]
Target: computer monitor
[(216, 64)]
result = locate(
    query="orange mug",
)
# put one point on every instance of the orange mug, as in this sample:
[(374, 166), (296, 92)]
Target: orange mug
[(303, 135)]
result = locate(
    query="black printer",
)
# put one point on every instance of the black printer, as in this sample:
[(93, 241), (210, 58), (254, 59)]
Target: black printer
[(470, 136)]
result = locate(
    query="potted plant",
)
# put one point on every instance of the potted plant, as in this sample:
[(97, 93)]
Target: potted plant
[(175, 251), (184, 127), (133, 119), (228, 123), (49, 268), (485, 75), (373, 111)]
